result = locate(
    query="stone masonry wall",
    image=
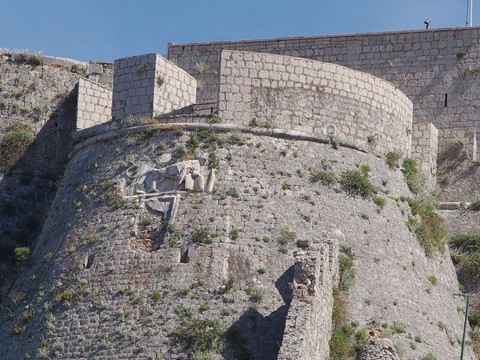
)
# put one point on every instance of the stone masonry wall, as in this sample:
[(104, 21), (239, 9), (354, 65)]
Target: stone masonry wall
[(436, 69), (149, 86), (94, 104), (425, 149), (110, 280), (308, 324), (177, 91), (314, 98)]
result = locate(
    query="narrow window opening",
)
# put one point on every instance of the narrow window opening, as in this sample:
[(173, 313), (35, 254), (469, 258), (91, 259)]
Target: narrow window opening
[(184, 257), (446, 100), (89, 261)]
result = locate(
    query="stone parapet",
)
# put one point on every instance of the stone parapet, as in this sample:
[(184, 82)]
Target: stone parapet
[(94, 104), (149, 86), (314, 98)]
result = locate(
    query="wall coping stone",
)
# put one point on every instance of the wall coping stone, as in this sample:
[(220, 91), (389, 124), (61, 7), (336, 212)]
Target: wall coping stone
[(315, 37), (278, 133)]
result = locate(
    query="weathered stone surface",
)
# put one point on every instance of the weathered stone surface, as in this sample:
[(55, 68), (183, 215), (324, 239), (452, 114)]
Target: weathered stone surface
[(150, 260), (379, 349)]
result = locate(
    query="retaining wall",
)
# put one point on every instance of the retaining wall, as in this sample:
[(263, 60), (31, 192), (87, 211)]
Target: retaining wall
[(94, 104), (149, 86), (315, 98), (308, 326)]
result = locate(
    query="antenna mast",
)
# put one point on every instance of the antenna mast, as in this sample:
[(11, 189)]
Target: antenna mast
[(469, 13)]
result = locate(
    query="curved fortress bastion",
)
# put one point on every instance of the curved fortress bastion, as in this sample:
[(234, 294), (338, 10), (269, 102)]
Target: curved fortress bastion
[(313, 97), (229, 220)]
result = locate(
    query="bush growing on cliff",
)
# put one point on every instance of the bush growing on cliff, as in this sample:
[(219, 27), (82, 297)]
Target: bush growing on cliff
[(415, 179), (325, 177), (347, 272), (14, 144), (466, 254), (427, 224), (429, 228), (285, 239), (200, 335), (392, 158), (202, 236), (29, 58), (22, 254), (356, 182)]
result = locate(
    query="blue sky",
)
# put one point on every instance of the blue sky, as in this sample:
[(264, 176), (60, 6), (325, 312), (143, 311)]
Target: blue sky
[(104, 30)]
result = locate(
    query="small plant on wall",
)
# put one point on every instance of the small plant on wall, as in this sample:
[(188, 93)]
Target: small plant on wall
[(160, 80), (201, 67)]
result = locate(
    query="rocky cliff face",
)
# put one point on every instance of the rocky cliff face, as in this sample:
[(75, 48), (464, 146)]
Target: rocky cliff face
[(179, 244), (38, 116)]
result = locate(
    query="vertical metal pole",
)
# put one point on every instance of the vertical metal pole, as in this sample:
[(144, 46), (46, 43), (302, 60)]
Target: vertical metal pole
[(469, 13), (465, 326)]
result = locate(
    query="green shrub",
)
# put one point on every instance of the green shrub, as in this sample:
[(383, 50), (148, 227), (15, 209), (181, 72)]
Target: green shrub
[(392, 158), (29, 58), (233, 192), (340, 347), (14, 144), (379, 201), (465, 251), (339, 311), (257, 295), (22, 254), (430, 229), (356, 182), (347, 272), (325, 177), (471, 266), (415, 180), (80, 70), (17, 330), (461, 54), (429, 356), (214, 119), (433, 280), (157, 296), (286, 237), (67, 296), (202, 236), (200, 335), (234, 234), (365, 169)]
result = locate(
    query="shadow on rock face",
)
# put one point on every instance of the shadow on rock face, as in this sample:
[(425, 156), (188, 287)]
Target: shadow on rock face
[(255, 336)]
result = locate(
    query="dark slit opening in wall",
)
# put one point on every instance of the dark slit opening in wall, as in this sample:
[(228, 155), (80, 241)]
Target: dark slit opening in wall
[(446, 100), (89, 261), (184, 257)]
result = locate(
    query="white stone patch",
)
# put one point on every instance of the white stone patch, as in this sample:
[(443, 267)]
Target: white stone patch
[(184, 175)]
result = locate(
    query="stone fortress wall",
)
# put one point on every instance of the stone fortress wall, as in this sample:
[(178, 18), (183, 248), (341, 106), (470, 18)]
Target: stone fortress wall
[(436, 69), (94, 104), (149, 86), (313, 97), (308, 323), (307, 96)]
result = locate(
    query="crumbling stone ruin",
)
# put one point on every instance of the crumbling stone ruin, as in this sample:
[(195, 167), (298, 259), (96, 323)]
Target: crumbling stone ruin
[(201, 206)]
